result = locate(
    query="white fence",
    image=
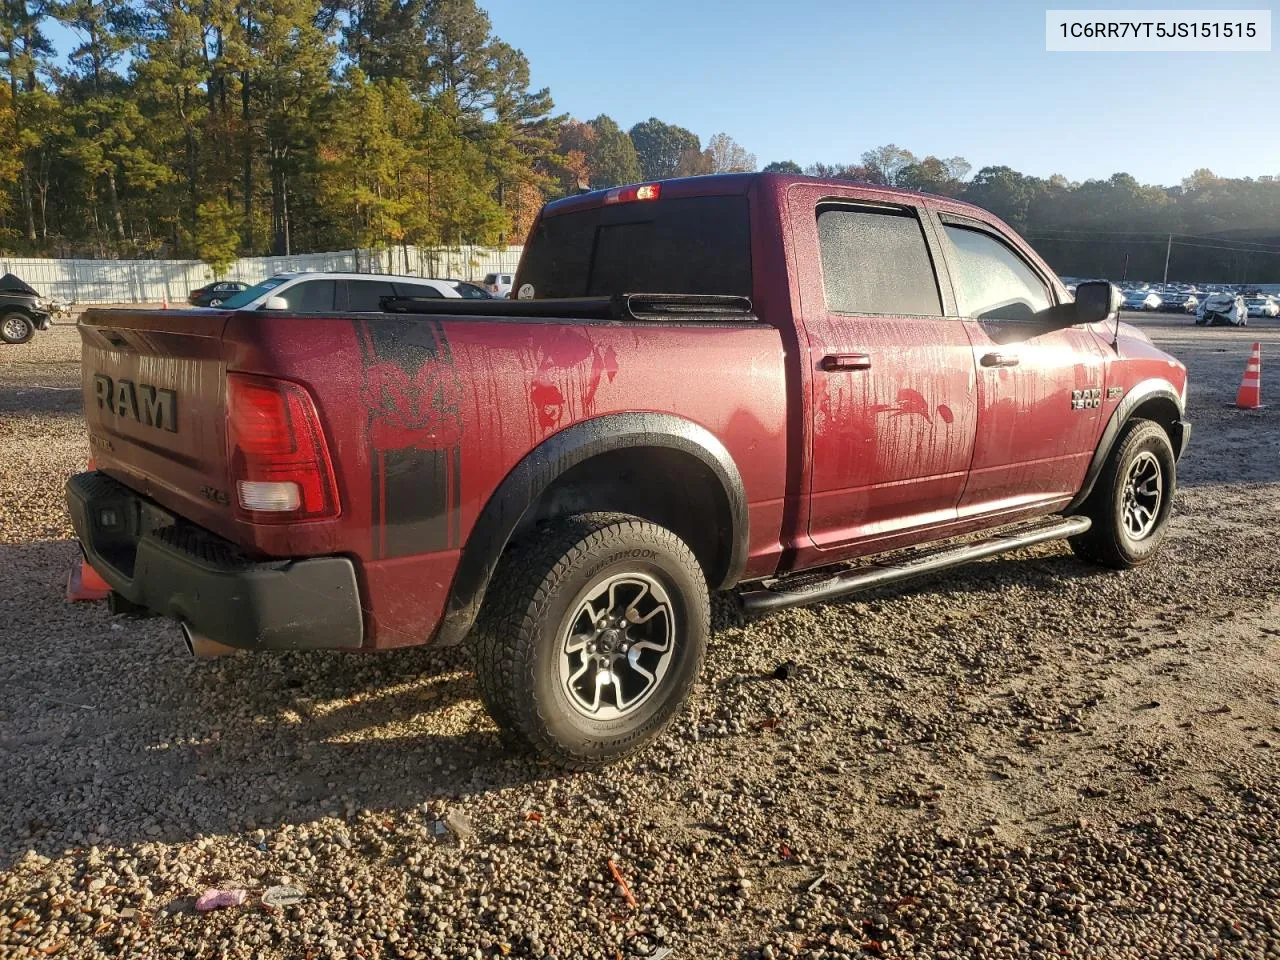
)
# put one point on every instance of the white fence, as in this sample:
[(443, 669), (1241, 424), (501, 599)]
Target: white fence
[(154, 281)]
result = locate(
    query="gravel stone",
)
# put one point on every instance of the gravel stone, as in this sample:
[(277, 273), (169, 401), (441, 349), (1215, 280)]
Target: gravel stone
[(960, 762)]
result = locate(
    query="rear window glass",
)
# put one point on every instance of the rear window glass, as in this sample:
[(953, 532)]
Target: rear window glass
[(365, 296), (686, 245), (876, 262)]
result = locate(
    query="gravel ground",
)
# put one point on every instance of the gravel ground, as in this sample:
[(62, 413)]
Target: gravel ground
[(1026, 758)]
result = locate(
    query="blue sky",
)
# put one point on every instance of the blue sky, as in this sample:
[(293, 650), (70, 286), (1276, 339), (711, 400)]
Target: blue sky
[(824, 80), (827, 79)]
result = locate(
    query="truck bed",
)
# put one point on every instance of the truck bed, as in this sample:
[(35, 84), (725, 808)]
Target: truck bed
[(425, 414)]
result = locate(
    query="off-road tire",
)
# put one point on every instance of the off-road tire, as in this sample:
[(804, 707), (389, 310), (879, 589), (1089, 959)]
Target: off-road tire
[(527, 610), (1108, 542), (12, 319)]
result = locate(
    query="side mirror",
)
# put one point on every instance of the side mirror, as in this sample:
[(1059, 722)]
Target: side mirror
[(276, 303), (1096, 300)]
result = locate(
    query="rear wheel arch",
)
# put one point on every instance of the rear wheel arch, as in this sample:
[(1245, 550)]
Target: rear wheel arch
[(660, 467)]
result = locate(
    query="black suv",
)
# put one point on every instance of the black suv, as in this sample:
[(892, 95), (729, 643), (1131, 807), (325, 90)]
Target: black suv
[(22, 311)]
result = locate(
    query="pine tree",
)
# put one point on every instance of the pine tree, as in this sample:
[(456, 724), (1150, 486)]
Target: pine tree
[(24, 54), (102, 113), (361, 163), (216, 239), (169, 77), (289, 63), (613, 158)]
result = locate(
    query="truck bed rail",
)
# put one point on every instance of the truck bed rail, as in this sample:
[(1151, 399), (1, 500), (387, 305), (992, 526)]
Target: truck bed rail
[(620, 307)]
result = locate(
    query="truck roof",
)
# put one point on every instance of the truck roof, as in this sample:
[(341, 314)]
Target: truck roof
[(722, 184)]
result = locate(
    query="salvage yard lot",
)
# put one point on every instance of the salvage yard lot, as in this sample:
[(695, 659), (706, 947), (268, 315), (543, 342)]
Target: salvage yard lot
[(1028, 757)]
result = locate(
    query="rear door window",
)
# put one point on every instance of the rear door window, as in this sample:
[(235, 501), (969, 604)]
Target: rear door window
[(876, 261), (311, 296), (992, 281), (365, 296), (417, 290), (685, 245), (469, 291)]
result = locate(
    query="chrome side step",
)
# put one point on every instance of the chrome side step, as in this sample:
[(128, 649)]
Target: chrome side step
[(777, 594)]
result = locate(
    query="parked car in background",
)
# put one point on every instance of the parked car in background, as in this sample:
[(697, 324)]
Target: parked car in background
[(1222, 310), (22, 310), (336, 292), (213, 294), (1141, 300), (498, 284), (1179, 302), (1262, 306)]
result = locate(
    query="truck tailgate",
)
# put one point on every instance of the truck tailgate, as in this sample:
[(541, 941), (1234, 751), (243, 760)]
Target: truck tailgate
[(154, 401)]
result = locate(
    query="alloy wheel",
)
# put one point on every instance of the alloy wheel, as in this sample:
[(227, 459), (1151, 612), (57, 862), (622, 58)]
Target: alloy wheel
[(617, 646), (1143, 495)]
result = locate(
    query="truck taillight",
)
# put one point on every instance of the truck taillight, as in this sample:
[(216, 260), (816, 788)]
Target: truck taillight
[(641, 191), (279, 459)]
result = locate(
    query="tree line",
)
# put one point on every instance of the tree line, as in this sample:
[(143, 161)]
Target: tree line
[(1209, 228), (218, 128), (224, 128)]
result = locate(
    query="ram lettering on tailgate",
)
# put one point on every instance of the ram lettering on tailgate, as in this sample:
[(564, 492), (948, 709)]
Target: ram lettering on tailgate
[(150, 406)]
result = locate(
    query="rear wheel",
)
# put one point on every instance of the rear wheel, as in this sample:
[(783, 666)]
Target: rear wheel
[(16, 328), (592, 637), (1131, 503)]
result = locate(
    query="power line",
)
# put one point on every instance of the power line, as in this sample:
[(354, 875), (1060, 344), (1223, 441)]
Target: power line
[(1140, 236), (1271, 251)]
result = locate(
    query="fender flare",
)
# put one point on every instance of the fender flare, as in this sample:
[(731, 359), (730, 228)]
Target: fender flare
[(1140, 394), (539, 468)]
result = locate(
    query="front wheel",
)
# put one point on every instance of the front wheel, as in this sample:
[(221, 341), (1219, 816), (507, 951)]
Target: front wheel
[(15, 328), (592, 636), (1131, 503)]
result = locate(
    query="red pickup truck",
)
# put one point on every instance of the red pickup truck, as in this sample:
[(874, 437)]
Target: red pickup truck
[(752, 382)]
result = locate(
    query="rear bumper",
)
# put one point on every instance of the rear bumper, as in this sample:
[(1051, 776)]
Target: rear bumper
[(179, 570)]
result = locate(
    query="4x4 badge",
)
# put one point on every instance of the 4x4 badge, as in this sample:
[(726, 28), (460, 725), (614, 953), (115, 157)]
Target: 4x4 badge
[(1086, 399)]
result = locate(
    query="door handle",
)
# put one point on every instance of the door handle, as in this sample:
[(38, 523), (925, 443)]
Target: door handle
[(999, 360), (846, 361)]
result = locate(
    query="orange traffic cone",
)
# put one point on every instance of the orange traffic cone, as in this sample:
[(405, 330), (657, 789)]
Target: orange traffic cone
[(1250, 395), (84, 583), (164, 301)]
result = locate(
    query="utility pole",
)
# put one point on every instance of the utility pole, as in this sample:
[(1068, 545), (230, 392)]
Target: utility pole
[(1167, 250)]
